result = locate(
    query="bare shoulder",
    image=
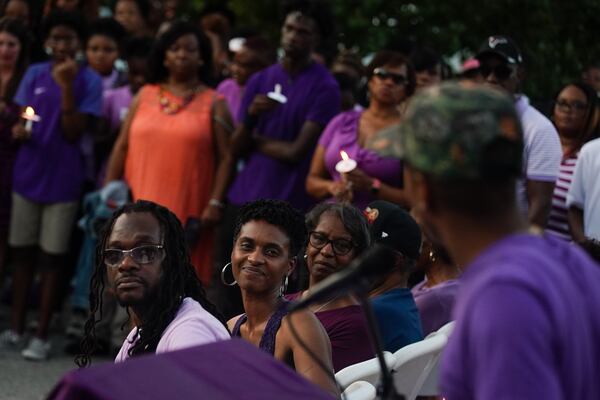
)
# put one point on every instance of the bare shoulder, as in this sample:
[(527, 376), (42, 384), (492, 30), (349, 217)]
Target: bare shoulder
[(304, 322), (232, 321)]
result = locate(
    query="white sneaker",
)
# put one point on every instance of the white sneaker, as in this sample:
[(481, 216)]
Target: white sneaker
[(37, 350), (10, 339)]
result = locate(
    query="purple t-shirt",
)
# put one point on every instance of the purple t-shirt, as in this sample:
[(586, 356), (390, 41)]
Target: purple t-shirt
[(312, 95), (192, 326), (116, 104), (527, 324), (49, 168), (232, 92), (342, 134), (435, 304)]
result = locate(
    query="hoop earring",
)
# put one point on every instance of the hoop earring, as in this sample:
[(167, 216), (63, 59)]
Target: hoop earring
[(283, 287), (223, 275)]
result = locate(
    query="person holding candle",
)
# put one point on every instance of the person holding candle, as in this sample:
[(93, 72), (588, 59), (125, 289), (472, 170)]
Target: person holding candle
[(391, 81), (277, 139), (49, 174), (14, 46)]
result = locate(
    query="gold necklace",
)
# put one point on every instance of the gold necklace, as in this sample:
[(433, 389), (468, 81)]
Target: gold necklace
[(170, 108)]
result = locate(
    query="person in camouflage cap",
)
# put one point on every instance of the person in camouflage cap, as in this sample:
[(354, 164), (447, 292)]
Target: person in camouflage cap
[(459, 132), (462, 150)]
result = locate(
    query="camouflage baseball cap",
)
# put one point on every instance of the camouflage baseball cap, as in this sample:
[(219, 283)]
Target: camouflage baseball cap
[(462, 131)]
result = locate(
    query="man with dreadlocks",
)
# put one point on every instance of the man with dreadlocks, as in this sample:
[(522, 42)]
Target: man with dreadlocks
[(141, 250)]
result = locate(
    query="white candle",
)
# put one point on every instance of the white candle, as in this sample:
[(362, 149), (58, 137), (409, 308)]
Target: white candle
[(277, 95), (29, 117), (346, 164)]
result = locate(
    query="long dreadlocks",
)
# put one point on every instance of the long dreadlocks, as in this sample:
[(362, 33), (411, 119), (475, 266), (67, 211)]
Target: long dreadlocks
[(178, 281)]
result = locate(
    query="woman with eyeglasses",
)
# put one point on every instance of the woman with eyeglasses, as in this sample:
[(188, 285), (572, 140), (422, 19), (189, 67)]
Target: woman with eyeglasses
[(267, 239), (338, 233), (391, 82), (575, 116)]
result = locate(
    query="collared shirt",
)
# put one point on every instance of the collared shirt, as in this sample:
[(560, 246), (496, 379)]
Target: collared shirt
[(542, 152)]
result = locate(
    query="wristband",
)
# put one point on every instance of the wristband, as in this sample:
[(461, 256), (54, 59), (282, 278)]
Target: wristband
[(375, 186), (216, 203)]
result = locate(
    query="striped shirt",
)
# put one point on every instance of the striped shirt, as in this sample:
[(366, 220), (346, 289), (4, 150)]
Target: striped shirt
[(557, 221)]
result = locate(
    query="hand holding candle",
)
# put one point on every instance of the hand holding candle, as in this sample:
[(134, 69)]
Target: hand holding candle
[(277, 95), (346, 164), (29, 117)]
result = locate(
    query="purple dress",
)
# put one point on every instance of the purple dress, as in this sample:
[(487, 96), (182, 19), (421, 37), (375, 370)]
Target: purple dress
[(342, 134), (9, 115)]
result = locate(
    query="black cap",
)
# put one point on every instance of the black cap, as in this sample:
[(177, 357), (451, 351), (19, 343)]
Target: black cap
[(502, 46), (393, 227)]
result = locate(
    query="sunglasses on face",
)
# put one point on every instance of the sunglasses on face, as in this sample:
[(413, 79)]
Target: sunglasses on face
[(383, 74), (565, 106), (500, 71), (140, 255), (340, 247)]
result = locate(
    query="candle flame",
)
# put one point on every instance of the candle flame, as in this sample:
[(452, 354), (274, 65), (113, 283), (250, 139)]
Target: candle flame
[(344, 155), (29, 112)]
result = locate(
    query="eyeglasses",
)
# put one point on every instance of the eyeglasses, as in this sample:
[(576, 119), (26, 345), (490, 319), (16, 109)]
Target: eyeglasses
[(565, 106), (384, 74), (340, 247), (141, 254), (500, 71)]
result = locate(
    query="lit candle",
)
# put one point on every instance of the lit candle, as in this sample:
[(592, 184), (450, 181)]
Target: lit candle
[(29, 117), (346, 164), (277, 95)]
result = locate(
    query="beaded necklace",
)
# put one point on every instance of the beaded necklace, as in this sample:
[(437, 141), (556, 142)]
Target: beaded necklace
[(168, 107)]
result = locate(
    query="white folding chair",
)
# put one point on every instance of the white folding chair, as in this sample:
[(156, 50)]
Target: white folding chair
[(430, 386), (364, 371), (360, 390), (413, 364)]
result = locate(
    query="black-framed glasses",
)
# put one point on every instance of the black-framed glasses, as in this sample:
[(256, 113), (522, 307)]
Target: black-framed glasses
[(141, 255), (500, 71), (384, 74), (566, 106), (340, 247)]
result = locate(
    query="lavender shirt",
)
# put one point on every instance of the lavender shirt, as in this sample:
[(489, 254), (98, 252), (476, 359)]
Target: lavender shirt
[(313, 95), (49, 168), (116, 104), (527, 324), (232, 92), (342, 134), (435, 304), (192, 326)]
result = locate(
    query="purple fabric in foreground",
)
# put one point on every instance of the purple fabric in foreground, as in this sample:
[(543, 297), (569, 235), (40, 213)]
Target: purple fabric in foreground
[(527, 324), (232, 369)]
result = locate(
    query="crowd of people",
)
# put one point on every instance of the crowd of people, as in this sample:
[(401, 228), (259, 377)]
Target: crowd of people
[(188, 179)]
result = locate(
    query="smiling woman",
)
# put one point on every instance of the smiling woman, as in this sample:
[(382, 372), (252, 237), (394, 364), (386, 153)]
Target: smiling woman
[(267, 239)]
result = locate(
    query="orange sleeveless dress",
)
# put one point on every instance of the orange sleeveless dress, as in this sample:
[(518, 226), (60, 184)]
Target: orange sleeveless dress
[(171, 161)]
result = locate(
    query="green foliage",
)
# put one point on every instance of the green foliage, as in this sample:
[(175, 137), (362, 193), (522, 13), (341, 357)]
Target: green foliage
[(557, 37)]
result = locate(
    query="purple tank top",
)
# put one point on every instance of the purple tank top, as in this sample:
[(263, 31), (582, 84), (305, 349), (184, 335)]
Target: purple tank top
[(267, 341)]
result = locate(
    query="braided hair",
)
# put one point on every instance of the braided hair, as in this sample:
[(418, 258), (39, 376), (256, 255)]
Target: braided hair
[(178, 281)]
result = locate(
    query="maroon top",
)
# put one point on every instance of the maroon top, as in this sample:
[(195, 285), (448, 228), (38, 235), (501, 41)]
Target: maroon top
[(348, 332)]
